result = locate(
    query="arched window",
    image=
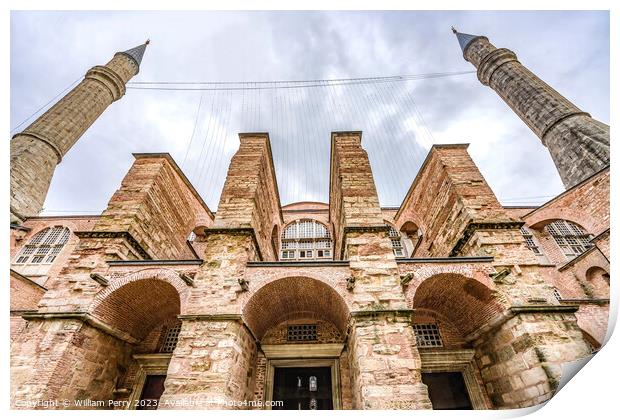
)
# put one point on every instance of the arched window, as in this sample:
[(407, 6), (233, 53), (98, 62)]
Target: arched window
[(530, 242), (397, 243), (44, 247), (570, 238), (306, 240)]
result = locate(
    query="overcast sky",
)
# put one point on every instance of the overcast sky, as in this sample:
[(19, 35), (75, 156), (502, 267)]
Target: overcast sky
[(50, 50)]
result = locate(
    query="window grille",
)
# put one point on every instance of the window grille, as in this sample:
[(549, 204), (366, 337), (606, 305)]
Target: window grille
[(397, 244), (427, 335), (556, 294), (44, 247), (302, 332), (570, 238), (170, 339), (529, 241), (305, 240)]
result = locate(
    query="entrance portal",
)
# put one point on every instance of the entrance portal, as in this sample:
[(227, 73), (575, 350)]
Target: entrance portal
[(447, 391), (303, 388)]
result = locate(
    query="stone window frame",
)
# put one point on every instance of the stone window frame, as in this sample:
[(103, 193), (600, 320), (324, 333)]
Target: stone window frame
[(571, 238), (44, 247), (435, 360), (149, 364), (304, 231)]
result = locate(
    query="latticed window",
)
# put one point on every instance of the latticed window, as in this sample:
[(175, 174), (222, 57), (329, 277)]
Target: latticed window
[(44, 247), (530, 242), (427, 335), (171, 338), (556, 294), (306, 240), (397, 243), (569, 237), (301, 332)]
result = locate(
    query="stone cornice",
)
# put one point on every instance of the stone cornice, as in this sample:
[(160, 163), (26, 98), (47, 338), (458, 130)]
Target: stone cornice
[(474, 226), (327, 263), (86, 318), (107, 77), (153, 262), (122, 235), (43, 139), (27, 279), (492, 61), (558, 120), (569, 301), (442, 260), (373, 313)]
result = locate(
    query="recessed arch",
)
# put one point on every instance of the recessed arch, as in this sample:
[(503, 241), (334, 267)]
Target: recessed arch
[(138, 302), (293, 298), (466, 302)]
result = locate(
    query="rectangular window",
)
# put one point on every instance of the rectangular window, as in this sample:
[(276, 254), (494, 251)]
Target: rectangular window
[(427, 335), (288, 255), (171, 339), (529, 241), (302, 332)]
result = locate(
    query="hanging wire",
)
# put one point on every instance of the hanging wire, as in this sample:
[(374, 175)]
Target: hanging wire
[(75, 82), (289, 84)]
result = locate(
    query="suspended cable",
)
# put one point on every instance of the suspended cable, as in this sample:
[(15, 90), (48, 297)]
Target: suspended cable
[(373, 78), (46, 104), (294, 85)]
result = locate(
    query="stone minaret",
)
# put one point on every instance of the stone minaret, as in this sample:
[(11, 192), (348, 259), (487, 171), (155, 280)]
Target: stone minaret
[(37, 150), (579, 144)]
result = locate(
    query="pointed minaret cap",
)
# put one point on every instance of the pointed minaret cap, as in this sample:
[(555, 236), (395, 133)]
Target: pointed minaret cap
[(464, 39), (136, 53)]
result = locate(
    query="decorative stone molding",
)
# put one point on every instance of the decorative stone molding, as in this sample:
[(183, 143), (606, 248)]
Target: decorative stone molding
[(122, 235), (350, 283), (474, 226), (86, 318), (302, 351), (99, 279)]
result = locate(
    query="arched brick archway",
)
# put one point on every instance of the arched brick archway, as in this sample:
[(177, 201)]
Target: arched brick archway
[(542, 218), (294, 298), (136, 303), (468, 303)]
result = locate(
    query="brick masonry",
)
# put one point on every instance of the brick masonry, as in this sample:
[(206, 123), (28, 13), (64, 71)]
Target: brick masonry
[(91, 324)]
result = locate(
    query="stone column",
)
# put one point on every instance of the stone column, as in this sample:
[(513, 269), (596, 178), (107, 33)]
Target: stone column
[(384, 360), (579, 144), (37, 150), (214, 359), (57, 361), (520, 361)]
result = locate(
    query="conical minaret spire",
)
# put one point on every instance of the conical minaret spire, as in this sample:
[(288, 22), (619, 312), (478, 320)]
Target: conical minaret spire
[(578, 144), (37, 150)]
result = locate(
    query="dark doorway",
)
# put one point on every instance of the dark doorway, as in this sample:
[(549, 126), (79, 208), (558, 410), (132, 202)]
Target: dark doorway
[(447, 391), (151, 392), (303, 388)]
